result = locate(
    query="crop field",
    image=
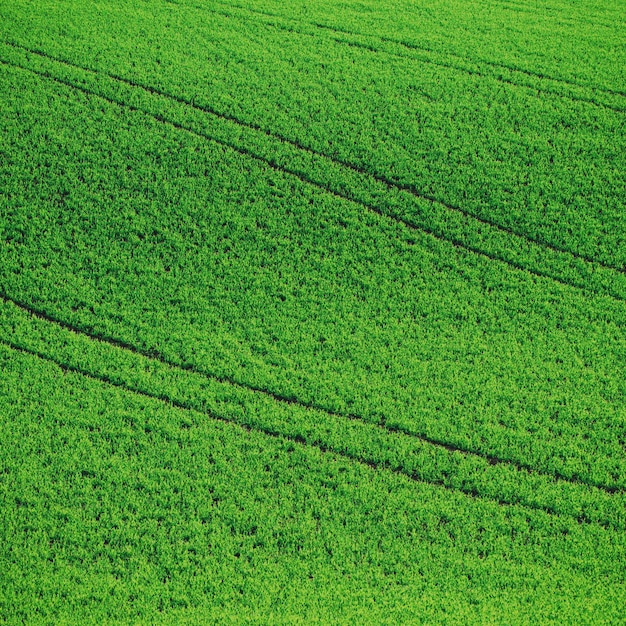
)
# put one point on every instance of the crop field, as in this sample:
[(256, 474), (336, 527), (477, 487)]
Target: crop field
[(313, 311)]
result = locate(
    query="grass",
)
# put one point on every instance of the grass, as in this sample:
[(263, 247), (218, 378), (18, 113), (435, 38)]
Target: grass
[(312, 314)]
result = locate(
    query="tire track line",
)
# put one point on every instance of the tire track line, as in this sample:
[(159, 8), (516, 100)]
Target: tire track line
[(156, 356), (384, 180), (367, 461), (470, 72)]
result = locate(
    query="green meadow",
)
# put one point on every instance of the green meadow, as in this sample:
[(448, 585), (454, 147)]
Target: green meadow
[(313, 312)]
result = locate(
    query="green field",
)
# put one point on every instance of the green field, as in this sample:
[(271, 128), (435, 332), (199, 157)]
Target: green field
[(313, 312)]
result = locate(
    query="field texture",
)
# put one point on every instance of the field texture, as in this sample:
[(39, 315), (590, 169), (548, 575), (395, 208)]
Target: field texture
[(313, 311)]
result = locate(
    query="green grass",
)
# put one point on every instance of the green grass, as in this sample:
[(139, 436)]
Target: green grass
[(309, 313)]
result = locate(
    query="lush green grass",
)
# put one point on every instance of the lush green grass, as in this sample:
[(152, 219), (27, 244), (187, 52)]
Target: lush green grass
[(310, 313)]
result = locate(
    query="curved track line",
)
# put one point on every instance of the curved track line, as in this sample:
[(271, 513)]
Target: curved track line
[(370, 462), (154, 355), (384, 180)]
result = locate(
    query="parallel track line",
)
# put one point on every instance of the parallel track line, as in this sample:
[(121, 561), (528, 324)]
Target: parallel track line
[(156, 356), (296, 439), (384, 180)]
